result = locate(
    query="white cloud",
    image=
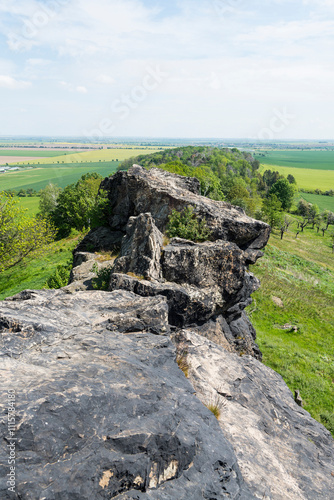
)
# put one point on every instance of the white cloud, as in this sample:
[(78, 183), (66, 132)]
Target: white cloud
[(81, 90), (73, 88), (105, 79), (8, 82), (228, 68)]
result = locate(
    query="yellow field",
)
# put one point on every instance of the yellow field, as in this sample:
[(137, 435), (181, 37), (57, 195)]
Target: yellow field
[(119, 154), (305, 177)]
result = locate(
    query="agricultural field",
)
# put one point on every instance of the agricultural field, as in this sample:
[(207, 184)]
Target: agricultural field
[(323, 202), (29, 152), (311, 169), (301, 274), (31, 204), (313, 160), (306, 178), (100, 155), (37, 178)]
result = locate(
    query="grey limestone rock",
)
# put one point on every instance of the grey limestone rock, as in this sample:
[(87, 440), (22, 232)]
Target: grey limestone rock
[(283, 453), (140, 191), (141, 248), (103, 414)]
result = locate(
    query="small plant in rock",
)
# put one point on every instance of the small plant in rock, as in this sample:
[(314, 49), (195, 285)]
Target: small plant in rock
[(101, 282), (137, 276), (214, 409), (181, 359), (187, 225), (216, 405)]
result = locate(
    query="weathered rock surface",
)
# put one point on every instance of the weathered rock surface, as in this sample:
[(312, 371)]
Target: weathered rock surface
[(104, 414), (141, 248), (283, 453), (140, 191)]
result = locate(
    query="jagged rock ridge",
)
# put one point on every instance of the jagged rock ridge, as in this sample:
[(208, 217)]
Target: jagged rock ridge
[(205, 284)]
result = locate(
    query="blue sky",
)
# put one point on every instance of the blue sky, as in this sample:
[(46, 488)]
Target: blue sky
[(210, 68)]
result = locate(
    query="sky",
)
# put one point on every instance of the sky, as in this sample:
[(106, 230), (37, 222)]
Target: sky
[(154, 68)]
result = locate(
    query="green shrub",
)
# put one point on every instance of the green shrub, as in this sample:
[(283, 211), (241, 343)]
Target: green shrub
[(101, 282), (187, 225), (327, 419), (60, 276)]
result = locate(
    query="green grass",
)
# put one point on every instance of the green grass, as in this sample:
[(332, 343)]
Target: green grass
[(323, 202), (114, 154), (33, 272), (28, 152), (37, 178), (301, 273), (305, 178), (314, 160), (30, 203)]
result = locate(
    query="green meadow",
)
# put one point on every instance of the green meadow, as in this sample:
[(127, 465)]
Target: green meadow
[(37, 178), (314, 160)]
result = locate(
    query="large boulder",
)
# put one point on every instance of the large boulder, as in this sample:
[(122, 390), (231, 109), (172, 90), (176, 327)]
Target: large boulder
[(103, 414), (140, 191)]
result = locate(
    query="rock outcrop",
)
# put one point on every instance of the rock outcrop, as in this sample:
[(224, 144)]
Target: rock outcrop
[(103, 410), (104, 414), (140, 191), (206, 283)]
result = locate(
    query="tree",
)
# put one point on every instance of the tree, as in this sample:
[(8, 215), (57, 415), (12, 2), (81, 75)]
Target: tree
[(291, 179), (48, 199), (272, 210), (19, 234), (284, 192), (77, 204)]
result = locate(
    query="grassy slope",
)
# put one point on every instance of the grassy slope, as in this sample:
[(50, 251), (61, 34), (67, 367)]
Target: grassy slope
[(321, 160), (300, 273), (33, 272), (99, 155), (38, 178)]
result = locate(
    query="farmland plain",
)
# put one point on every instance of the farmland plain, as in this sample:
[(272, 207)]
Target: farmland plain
[(38, 177), (29, 152), (114, 154), (306, 178), (313, 160)]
